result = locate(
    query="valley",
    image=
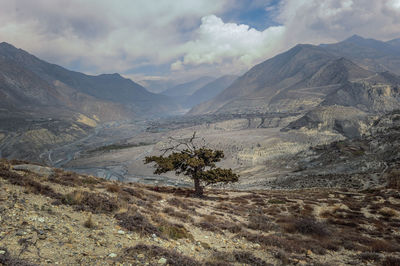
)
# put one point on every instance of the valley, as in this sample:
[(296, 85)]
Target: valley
[(254, 147), (266, 121), (200, 133)]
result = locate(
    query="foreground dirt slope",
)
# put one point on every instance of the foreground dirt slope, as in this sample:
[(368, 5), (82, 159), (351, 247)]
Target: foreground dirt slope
[(51, 217)]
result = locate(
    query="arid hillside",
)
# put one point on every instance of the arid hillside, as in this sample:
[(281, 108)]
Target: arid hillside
[(52, 217)]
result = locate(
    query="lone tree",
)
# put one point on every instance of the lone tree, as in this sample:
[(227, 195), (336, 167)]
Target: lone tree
[(197, 163)]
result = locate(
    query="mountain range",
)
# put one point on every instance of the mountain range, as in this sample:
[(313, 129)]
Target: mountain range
[(75, 91), (352, 73), (197, 91)]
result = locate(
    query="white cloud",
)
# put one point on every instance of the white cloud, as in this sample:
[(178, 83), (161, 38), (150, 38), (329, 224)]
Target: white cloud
[(217, 42)]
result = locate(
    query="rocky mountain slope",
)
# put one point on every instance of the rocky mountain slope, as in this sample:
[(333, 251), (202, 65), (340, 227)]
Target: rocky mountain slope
[(106, 87), (52, 217), (359, 161), (301, 79)]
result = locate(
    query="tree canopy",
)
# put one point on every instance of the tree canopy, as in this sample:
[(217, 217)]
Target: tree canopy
[(197, 163)]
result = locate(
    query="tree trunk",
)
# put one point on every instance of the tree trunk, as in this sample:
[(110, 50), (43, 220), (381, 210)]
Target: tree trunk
[(198, 189)]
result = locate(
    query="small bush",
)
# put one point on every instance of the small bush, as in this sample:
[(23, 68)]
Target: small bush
[(276, 201), (113, 188), (248, 258), (393, 179), (136, 223), (70, 179), (309, 226), (387, 212), (180, 215), (134, 192), (7, 259), (89, 223), (275, 241), (391, 261), (214, 224), (383, 246), (369, 256), (92, 202), (155, 252), (177, 203), (259, 221)]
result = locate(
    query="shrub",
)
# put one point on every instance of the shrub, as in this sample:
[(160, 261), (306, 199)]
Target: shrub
[(248, 258), (89, 223), (391, 261), (369, 256), (92, 202), (393, 179), (136, 223), (383, 246), (114, 188), (259, 221), (180, 215), (7, 259), (155, 252), (70, 179), (309, 226), (214, 224)]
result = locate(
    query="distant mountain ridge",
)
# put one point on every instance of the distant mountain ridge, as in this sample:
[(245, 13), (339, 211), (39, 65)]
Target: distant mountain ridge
[(374, 55), (210, 90), (187, 88)]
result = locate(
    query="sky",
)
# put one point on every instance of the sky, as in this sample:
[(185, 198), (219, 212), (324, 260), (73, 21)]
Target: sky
[(184, 39)]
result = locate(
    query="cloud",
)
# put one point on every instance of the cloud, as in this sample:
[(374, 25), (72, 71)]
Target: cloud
[(182, 38), (102, 35), (222, 43), (333, 20), (236, 47)]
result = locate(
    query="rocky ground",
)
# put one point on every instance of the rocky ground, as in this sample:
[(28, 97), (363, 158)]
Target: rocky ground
[(357, 163), (52, 217), (253, 147)]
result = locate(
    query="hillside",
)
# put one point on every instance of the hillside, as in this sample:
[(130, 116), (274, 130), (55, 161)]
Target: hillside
[(55, 217)]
